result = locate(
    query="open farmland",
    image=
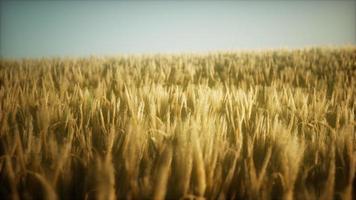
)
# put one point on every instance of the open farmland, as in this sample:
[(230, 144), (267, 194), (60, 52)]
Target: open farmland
[(227, 125)]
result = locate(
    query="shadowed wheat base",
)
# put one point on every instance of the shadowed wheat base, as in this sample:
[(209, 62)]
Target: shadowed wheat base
[(249, 125)]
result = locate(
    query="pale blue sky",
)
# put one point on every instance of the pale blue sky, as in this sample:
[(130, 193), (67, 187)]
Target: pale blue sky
[(79, 28)]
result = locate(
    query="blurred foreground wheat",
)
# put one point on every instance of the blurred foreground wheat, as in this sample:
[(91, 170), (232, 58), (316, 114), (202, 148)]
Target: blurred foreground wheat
[(248, 125)]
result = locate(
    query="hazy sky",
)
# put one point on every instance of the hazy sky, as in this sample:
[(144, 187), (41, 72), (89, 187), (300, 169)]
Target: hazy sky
[(67, 28)]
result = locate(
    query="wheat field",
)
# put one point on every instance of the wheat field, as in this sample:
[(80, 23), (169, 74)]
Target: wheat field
[(277, 124)]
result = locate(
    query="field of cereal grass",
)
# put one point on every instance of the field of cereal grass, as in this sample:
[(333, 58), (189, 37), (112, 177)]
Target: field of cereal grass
[(276, 124)]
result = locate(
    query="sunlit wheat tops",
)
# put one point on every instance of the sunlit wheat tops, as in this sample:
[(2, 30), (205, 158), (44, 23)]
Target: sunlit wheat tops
[(226, 125)]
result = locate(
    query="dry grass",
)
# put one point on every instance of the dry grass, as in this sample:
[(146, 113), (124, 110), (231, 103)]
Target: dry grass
[(266, 125)]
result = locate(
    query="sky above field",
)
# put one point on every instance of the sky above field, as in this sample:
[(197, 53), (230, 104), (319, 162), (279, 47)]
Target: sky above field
[(78, 28)]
